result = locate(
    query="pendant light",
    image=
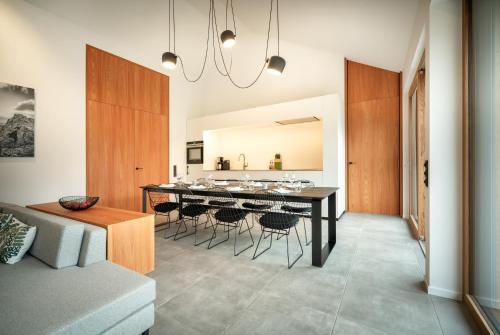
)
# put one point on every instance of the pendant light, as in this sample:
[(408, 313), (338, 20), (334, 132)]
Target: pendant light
[(169, 59), (227, 37), (276, 64)]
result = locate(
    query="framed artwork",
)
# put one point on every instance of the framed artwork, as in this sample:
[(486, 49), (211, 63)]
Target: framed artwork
[(17, 121)]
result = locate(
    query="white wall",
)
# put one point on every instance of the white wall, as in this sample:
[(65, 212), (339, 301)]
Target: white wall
[(45, 52), (443, 106), (300, 146)]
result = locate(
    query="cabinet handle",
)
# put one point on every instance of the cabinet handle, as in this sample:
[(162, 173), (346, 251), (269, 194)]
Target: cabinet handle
[(138, 168), (351, 163)]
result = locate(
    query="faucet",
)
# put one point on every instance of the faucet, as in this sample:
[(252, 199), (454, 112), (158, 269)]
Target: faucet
[(245, 164)]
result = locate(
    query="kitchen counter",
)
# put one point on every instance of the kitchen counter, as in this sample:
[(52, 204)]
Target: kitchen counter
[(248, 170)]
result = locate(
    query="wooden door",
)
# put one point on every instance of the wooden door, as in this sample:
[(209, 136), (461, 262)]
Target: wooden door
[(373, 139), (110, 154), (151, 151)]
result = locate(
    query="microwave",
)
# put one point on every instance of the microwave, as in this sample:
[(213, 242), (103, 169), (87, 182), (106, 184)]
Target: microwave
[(194, 152)]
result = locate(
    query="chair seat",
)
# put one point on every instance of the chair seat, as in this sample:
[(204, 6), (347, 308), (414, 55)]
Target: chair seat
[(166, 207), (251, 205), (230, 215), (193, 200), (278, 220), (296, 209), (222, 203), (194, 210)]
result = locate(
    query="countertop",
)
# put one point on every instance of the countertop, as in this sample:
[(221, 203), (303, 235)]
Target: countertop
[(239, 170)]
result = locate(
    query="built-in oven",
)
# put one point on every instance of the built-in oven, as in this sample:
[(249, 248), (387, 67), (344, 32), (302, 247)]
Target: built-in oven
[(194, 153)]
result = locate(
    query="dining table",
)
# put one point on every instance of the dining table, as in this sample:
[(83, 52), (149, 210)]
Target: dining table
[(310, 195)]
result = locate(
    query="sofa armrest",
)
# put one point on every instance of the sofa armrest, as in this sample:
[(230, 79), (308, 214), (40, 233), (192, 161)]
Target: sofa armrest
[(93, 248)]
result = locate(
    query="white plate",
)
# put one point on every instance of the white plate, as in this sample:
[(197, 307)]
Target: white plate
[(282, 190), (221, 183), (257, 184), (197, 187), (234, 189), (166, 185)]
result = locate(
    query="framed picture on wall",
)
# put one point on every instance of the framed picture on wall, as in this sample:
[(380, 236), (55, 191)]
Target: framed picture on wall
[(17, 121)]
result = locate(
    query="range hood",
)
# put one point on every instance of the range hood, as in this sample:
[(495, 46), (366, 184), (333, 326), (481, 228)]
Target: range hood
[(297, 121)]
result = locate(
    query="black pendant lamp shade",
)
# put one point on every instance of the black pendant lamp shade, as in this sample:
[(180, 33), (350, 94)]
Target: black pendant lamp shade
[(228, 39), (169, 60), (276, 65)]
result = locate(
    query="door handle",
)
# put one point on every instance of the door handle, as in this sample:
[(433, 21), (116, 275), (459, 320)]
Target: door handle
[(138, 168), (426, 173)]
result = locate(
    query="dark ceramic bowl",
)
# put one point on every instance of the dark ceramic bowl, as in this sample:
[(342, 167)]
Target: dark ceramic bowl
[(78, 203)]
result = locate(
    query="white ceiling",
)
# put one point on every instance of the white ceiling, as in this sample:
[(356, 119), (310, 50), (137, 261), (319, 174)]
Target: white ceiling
[(376, 32)]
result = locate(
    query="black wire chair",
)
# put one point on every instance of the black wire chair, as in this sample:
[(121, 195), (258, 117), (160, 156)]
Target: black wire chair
[(230, 216), (275, 220), (192, 208), (301, 209), (162, 205)]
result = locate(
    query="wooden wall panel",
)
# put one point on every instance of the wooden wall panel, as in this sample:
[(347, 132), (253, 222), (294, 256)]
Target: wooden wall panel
[(109, 78), (373, 140), (110, 154), (115, 85)]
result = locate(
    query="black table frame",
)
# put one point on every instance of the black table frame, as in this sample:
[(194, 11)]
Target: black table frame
[(320, 252)]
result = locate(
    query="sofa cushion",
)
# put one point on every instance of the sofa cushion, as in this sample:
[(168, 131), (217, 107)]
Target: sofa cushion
[(57, 241), (73, 300), (15, 240), (5, 218), (93, 248)]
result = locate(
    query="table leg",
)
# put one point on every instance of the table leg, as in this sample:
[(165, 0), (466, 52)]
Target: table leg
[(144, 200), (316, 233), (320, 253), (332, 220)]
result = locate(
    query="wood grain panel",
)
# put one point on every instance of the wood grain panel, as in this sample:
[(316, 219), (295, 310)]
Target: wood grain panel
[(373, 139), (117, 85), (110, 154), (132, 245), (109, 78), (142, 88), (367, 83), (151, 151)]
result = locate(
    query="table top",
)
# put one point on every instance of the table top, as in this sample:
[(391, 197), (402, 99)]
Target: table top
[(306, 194), (97, 215)]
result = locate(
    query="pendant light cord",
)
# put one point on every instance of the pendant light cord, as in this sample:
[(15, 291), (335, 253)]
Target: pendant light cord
[(277, 23), (206, 50), (212, 25), (265, 58), (169, 25)]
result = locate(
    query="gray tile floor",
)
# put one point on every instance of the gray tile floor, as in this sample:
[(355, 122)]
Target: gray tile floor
[(371, 284)]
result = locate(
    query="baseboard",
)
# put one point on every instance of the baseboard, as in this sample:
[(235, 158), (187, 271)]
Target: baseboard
[(444, 293)]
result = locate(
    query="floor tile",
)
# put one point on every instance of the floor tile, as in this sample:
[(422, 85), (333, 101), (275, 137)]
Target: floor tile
[(453, 317), (270, 314)]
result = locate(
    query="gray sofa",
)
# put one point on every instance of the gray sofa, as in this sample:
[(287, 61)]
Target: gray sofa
[(64, 285)]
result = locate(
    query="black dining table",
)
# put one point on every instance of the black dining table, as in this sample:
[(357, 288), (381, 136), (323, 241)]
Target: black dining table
[(312, 195)]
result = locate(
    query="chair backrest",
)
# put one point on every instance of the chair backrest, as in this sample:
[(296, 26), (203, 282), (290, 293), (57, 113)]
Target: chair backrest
[(272, 201), (221, 198), (188, 198), (156, 198)]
